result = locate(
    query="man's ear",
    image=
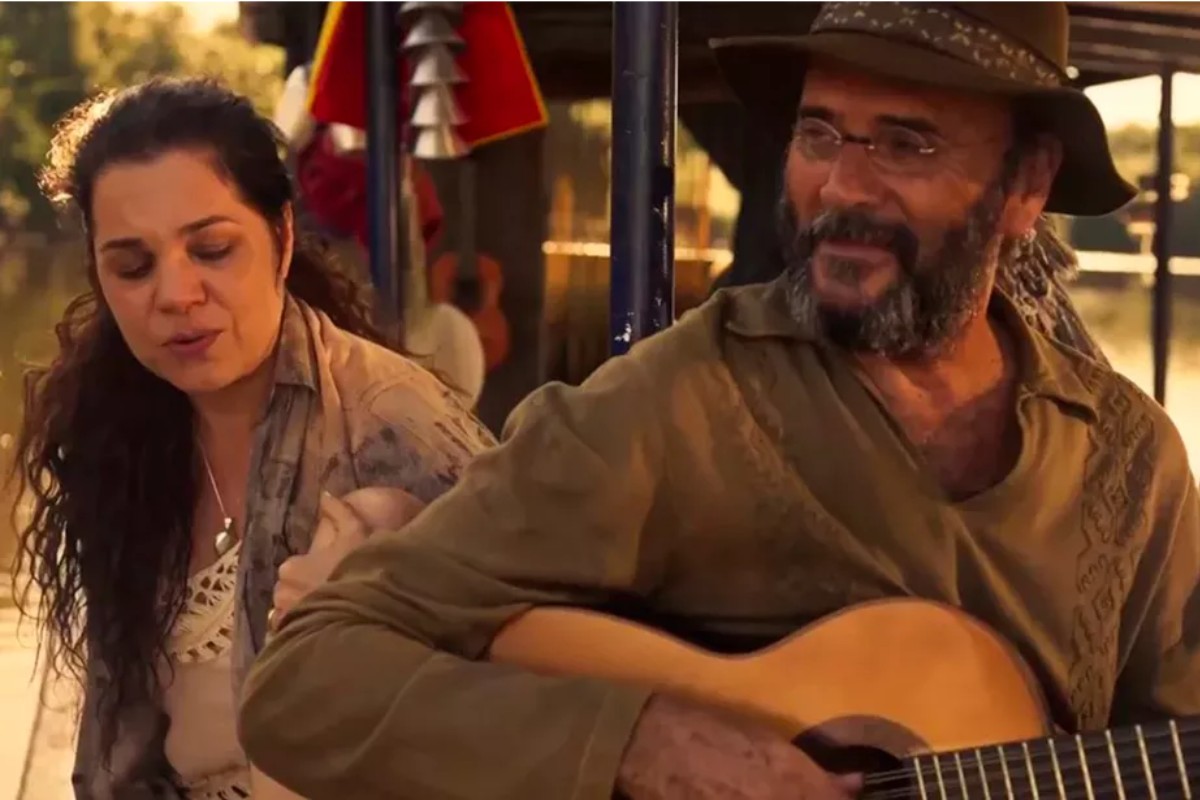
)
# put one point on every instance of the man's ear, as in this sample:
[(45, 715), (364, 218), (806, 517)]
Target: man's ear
[(1031, 185), (287, 243)]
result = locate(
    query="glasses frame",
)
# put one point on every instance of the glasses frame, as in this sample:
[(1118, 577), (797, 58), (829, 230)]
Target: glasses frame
[(926, 155)]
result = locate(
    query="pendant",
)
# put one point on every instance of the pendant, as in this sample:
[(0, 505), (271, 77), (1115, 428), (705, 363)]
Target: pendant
[(225, 539)]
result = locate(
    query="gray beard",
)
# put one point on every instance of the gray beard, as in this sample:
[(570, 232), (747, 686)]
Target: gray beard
[(930, 304)]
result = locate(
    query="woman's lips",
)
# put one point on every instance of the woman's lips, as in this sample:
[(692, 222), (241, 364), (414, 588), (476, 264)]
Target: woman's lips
[(192, 345)]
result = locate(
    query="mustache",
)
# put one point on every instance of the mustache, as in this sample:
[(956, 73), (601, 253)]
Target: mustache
[(859, 227)]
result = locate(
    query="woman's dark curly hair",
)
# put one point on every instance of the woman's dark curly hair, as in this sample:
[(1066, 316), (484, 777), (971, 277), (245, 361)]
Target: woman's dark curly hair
[(105, 454)]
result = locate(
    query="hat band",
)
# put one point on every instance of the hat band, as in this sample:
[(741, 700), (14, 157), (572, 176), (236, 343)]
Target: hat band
[(945, 30)]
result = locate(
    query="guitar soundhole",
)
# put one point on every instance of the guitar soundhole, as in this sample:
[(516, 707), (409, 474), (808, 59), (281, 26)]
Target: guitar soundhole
[(841, 758), (467, 294)]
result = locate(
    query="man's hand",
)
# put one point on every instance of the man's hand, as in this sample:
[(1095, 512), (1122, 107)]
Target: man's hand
[(341, 527), (681, 750)]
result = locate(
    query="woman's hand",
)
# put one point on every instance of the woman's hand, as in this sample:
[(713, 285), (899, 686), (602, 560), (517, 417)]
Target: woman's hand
[(342, 526)]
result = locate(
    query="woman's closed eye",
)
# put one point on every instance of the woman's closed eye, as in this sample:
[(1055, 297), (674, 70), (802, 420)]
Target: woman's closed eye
[(131, 266), (211, 253)]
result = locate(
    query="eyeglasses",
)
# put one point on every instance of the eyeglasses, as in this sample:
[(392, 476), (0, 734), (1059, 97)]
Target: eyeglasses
[(898, 150)]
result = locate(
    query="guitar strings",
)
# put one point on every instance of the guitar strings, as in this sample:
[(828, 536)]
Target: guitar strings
[(1019, 773), (1071, 789), (992, 752), (992, 756), (1016, 763), (1101, 785)]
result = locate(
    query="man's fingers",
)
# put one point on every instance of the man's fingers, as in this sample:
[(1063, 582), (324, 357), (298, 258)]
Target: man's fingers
[(851, 783)]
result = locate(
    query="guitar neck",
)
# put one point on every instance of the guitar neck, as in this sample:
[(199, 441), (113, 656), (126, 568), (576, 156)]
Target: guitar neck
[(1155, 762), (468, 266)]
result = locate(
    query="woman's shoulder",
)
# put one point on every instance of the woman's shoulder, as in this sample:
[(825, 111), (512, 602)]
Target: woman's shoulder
[(354, 363), (398, 416)]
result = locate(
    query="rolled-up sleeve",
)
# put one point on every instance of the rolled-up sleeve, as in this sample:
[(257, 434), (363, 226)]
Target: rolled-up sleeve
[(374, 688)]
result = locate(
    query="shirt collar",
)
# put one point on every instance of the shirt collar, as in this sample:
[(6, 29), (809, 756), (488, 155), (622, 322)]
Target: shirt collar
[(1047, 368), (295, 359)]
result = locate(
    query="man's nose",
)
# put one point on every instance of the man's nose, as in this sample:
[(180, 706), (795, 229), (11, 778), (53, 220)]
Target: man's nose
[(852, 181), (180, 283)]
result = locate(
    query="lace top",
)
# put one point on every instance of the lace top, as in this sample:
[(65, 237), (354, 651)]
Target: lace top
[(204, 629), (202, 743)]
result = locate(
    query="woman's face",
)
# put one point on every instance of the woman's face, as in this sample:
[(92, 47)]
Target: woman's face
[(193, 275)]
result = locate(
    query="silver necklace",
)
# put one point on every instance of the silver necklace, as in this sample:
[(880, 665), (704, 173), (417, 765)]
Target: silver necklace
[(225, 537)]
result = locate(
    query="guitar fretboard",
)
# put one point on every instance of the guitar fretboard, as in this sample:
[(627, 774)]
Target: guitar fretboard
[(1146, 762)]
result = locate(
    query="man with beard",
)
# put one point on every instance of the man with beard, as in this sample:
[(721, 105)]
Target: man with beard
[(890, 418)]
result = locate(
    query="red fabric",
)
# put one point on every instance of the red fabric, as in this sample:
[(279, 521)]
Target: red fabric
[(337, 87), (500, 97), (334, 188)]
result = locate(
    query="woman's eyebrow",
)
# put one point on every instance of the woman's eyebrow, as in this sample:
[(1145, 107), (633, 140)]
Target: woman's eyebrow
[(200, 224), (134, 243)]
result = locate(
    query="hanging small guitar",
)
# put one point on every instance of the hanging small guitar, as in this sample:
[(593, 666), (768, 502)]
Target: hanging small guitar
[(472, 280)]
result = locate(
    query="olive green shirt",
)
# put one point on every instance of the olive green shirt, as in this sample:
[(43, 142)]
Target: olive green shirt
[(731, 480)]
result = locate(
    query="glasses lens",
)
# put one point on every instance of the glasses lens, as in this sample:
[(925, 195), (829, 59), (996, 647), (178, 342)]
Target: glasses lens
[(903, 150), (818, 140)]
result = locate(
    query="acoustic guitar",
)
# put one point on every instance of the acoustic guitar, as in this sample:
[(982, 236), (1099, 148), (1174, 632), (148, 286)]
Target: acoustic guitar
[(927, 701), (472, 280)]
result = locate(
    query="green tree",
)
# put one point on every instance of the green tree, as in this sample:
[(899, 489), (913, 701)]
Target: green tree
[(40, 80), (118, 46), (254, 70), (53, 54)]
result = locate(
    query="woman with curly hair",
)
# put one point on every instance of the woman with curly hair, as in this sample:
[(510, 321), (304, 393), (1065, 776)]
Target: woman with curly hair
[(219, 380)]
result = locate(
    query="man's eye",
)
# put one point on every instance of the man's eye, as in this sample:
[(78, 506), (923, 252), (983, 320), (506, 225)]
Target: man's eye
[(905, 145), (817, 139)]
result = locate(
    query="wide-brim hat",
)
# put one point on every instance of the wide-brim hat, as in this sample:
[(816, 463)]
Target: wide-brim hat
[(1017, 50)]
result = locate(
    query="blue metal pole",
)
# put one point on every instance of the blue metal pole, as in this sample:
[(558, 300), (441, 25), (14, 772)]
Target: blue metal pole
[(383, 172), (642, 295)]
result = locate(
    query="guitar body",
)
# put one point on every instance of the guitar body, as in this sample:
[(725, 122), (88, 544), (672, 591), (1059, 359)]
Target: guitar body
[(487, 317), (904, 677)]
